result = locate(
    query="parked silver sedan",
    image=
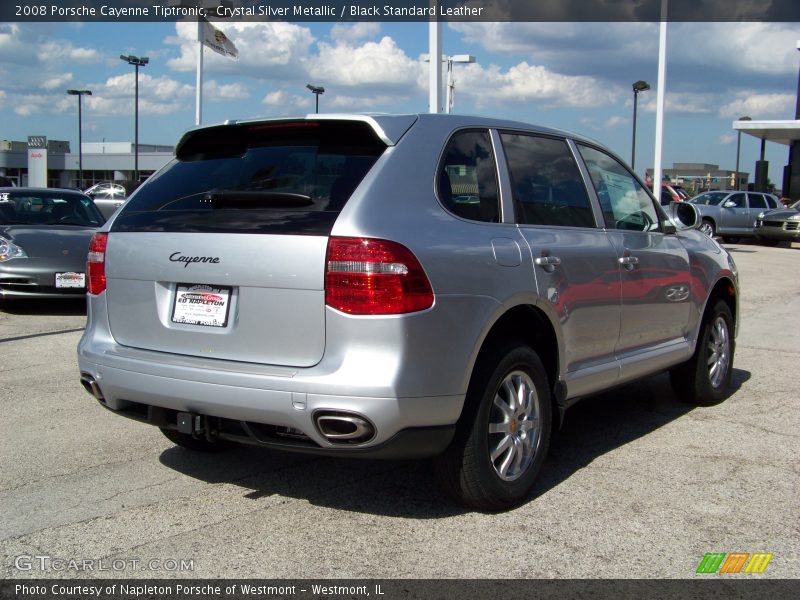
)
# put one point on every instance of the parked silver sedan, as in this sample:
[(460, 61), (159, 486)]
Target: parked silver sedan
[(782, 224), (44, 240), (732, 214)]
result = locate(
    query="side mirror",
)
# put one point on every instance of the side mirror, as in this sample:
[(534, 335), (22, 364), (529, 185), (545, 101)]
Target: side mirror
[(684, 215), (729, 204)]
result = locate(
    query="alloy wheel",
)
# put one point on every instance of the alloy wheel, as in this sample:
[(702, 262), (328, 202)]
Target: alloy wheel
[(514, 426), (719, 352)]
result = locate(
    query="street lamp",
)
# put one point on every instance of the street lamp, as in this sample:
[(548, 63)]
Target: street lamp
[(316, 90), (136, 62), (451, 84), (80, 93), (639, 86), (738, 148)]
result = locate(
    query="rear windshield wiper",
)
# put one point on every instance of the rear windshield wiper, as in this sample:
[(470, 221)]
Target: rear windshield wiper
[(255, 199)]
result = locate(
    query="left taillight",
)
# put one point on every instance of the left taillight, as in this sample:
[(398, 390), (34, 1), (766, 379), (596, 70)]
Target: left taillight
[(96, 264), (374, 277)]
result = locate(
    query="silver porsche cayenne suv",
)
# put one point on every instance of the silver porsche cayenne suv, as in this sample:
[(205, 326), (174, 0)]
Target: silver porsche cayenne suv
[(398, 286)]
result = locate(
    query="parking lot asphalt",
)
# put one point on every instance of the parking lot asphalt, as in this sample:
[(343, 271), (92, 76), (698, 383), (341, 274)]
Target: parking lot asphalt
[(637, 485)]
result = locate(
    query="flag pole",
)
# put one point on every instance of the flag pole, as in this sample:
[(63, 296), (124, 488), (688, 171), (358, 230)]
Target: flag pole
[(198, 113)]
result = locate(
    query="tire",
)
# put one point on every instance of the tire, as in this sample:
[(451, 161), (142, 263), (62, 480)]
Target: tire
[(184, 440), (707, 227), (500, 443), (704, 380), (730, 239)]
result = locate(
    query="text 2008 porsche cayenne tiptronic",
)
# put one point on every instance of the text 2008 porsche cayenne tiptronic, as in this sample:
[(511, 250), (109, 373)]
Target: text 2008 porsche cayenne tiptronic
[(398, 286)]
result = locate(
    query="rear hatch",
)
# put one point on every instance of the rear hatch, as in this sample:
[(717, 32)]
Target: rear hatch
[(222, 253)]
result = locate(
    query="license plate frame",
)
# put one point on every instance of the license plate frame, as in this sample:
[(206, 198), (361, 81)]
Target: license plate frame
[(201, 304), (70, 280)]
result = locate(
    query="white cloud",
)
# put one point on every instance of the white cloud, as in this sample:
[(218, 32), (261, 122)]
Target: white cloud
[(59, 51), (157, 95), (525, 83), (541, 37), (615, 121), (56, 82), (349, 33), (216, 92), (759, 106), (686, 103), (30, 104), (379, 102), (726, 139), (282, 103), (381, 63), (759, 48)]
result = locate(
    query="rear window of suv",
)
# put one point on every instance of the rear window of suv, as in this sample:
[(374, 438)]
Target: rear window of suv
[(276, 177)]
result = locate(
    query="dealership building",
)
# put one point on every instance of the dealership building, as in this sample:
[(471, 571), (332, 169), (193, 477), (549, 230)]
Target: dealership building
[(41, 162)]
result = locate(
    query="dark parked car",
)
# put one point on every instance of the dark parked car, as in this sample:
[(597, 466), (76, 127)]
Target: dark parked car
[(782, 224), (44, 240), (398, 286), (732, 214)]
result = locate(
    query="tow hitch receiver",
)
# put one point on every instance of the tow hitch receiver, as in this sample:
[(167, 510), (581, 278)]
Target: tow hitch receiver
[(200, 427), (189, 423)]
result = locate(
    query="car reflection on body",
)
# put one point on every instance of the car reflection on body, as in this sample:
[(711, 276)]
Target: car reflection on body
[(779, 225), (44, 240)]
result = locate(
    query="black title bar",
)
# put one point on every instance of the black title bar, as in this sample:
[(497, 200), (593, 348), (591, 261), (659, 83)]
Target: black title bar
[(401, 10)]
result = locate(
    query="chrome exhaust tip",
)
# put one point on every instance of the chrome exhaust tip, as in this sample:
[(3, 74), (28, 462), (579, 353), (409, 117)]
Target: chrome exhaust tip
[(90, 385), (344, 428)]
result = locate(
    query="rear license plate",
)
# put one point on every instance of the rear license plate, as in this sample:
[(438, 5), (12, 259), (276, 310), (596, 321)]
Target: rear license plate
[(201, 304), (70, 280)]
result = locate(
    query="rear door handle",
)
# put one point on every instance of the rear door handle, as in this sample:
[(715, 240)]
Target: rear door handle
[(628, 262), (548, 263)]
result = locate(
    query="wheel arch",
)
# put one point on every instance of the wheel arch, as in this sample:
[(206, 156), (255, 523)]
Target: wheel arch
[(527, 324), (724, 289)]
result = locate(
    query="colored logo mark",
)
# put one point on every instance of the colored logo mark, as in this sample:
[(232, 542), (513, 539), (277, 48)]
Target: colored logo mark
[(735, 562)]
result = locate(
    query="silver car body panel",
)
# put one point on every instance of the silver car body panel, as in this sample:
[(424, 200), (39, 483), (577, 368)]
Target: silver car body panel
[(404, 370)]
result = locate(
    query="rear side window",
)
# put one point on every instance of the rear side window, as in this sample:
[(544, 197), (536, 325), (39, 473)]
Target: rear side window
[(467, 179), (547, 186), (757, 201), (281, 177)]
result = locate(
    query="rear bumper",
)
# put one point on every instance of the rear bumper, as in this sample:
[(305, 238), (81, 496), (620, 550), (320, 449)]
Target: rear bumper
[(413, 442), (255, 404), (255, 400)]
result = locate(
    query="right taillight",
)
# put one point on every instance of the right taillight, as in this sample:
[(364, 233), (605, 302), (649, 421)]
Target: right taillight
[(96, 264), (374, 277)]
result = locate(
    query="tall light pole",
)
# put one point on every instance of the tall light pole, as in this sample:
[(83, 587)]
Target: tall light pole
[(316, 90), (451, 84), (639, 86), (136, 62), (80, 93), (738, 148)]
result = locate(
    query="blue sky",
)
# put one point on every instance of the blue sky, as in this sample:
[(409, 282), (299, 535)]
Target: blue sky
[(575, 76)]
